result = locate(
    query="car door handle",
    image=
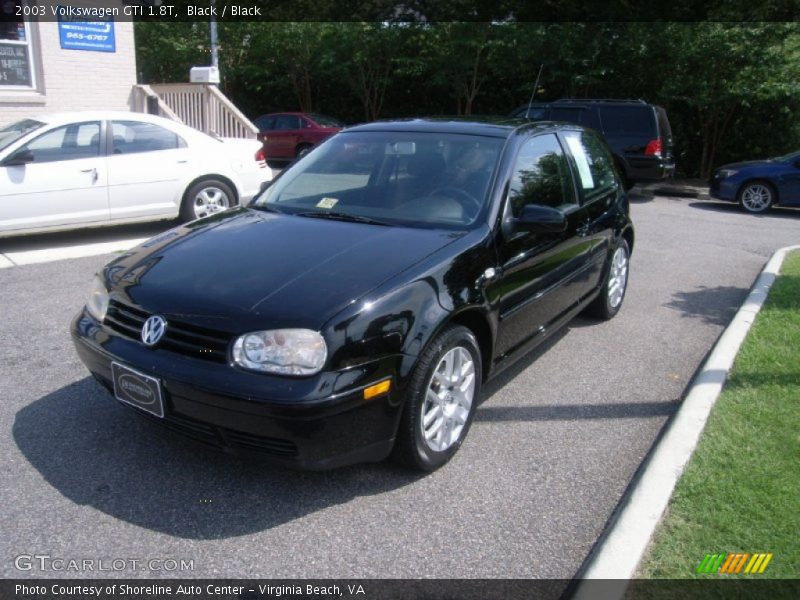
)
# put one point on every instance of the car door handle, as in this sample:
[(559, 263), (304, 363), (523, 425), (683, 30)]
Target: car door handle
[(583, 229), (183, 162), (92, 171)]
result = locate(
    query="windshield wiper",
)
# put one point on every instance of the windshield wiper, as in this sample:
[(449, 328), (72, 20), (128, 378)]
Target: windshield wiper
[(339, 216), (266, 208)]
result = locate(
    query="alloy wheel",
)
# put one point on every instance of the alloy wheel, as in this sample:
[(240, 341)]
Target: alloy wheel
[(210, 200), (756, 197), (618, 277), (448, 399)]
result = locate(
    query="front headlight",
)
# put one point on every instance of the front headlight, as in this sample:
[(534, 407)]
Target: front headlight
[(97, 304), (725, 173), (282, 351)]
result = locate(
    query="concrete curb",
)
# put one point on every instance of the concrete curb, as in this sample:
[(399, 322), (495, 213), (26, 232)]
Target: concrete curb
[(618, 555)]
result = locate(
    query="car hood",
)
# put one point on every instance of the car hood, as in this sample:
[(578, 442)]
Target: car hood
[(749, 163), (248, 269)]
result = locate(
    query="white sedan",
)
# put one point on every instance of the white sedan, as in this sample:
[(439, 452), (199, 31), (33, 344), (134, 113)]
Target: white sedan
[(71, 170)]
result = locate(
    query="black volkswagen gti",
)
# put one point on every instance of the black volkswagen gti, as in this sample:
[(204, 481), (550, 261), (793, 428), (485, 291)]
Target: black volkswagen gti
[(355, 308)]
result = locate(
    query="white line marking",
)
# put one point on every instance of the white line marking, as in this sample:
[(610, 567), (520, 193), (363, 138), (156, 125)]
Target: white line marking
[(29, 257)]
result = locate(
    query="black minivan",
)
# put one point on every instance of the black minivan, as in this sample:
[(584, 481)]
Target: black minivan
[(638, 133)]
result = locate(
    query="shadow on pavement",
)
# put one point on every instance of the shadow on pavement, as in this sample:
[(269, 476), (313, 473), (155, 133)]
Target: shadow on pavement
[(569, 412), (639, 195), (97, 453), (715, 306), (89, 235), (732, 207)]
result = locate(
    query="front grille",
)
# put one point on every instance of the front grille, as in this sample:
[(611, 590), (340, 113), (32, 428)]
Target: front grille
[(183, 338), (221, 437), (248, 441)]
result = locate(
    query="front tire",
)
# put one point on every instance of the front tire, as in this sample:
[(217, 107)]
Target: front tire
[(440, 401), (609, 301), (756, 197), (206, 198)]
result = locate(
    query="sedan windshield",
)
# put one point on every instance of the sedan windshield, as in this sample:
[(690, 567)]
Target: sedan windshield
[(400, 178), (787, 157), (11, 133)]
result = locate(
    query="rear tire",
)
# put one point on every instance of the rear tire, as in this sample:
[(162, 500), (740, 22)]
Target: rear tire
[(302, 150), (612, 293), (206, 198), (440, 401)]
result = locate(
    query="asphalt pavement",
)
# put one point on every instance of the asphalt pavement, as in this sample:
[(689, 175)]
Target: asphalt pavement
[(555, 443)]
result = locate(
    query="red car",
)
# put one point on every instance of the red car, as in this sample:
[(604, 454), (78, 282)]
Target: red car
[(289, 135)]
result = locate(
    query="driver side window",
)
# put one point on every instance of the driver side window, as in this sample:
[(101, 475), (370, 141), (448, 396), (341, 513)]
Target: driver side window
[(541, 175)]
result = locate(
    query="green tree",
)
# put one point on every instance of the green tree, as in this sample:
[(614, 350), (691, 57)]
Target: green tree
[(730, 73)]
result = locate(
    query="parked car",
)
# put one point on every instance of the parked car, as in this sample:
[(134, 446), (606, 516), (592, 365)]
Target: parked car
[(288, 135), (759, 184), (639, 133), (357, 306), (87, 169)]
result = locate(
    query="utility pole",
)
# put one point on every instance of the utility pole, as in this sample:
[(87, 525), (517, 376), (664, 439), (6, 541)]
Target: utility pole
[(214, 45)]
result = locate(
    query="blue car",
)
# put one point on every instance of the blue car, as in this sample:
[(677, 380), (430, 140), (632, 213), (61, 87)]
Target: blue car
[(758, 184)]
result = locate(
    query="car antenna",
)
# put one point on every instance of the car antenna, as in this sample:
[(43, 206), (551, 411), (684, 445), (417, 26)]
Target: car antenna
[(535, 85)]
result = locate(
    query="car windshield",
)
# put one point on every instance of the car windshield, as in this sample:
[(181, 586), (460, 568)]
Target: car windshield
[(324, 121), (397, 178), (792, 156), (11, 133)]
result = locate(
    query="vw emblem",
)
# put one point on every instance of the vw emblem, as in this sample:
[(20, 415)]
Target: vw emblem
[(153, 329)]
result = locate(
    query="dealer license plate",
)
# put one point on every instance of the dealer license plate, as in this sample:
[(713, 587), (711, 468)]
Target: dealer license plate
[(137, 389)]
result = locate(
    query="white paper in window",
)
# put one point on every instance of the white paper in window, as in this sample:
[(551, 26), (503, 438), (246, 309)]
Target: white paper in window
[(575, 146)]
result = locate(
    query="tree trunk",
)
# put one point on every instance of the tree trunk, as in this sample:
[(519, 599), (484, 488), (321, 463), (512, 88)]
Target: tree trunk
[(718, 135)]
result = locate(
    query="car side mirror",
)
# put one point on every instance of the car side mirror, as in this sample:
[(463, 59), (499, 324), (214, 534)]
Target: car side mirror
[(21, 157), (538, 218)]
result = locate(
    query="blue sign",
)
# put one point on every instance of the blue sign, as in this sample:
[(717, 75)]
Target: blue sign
[(97, 36)]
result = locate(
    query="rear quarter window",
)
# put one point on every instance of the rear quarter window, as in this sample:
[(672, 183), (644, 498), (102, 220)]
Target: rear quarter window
[(628, 120), (593, 163)]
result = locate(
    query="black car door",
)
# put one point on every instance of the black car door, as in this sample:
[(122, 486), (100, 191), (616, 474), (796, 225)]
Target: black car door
[(599, 190), (541, 274)]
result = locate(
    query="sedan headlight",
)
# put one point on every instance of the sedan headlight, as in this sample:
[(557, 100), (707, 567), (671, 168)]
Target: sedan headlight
[(725, 173), (97, 304), (282, 351)]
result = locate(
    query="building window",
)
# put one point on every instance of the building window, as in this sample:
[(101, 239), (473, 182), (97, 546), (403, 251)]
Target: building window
[(16, 56)]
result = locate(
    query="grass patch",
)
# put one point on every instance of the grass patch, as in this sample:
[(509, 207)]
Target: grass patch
[(740, 491)]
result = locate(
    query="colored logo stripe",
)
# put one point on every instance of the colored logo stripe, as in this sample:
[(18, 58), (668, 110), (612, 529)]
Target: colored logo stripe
[(734, 563)]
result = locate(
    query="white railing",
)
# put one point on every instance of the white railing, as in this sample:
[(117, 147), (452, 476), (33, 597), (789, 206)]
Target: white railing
[(201, 106), (147, 101)]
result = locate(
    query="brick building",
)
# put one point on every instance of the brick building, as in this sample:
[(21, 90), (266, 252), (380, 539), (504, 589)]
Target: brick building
[(47, 65)]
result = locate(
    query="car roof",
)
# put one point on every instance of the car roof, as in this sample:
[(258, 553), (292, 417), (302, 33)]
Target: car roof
[(280, 114), (500, 127), (70, 117), (600, 102)]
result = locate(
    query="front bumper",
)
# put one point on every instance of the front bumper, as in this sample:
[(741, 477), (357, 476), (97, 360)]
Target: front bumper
[(723, 189), (318, 422)]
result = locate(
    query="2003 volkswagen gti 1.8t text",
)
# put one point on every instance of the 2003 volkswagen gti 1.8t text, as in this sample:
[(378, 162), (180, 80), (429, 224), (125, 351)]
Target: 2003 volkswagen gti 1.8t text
[(355, 308)]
